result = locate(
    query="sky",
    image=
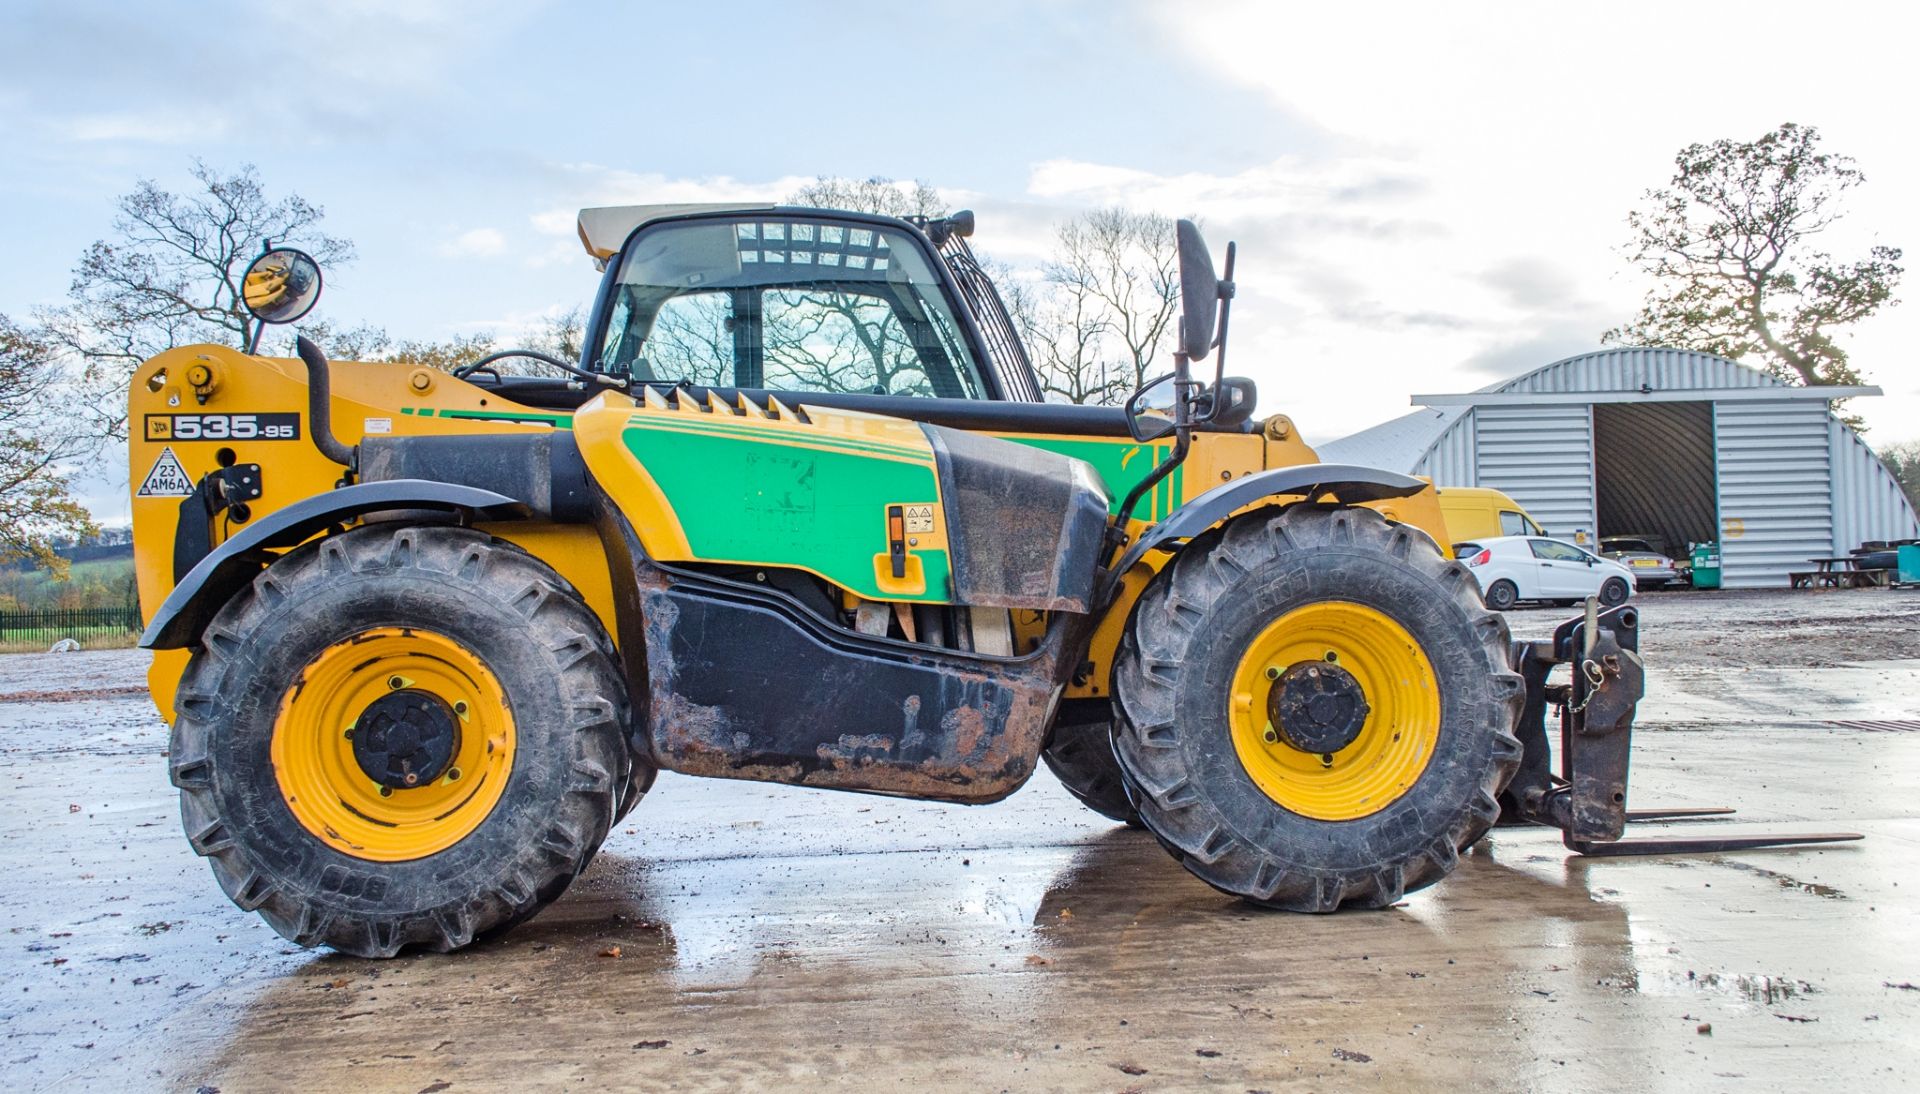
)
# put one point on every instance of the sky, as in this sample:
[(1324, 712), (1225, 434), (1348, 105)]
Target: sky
[(1427, 198)]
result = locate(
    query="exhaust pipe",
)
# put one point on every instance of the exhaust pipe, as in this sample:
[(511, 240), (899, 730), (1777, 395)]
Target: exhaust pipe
[(320, 405)]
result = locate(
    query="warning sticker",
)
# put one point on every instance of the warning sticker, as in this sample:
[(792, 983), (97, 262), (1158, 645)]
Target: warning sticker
[(919, 519), (167, 479)]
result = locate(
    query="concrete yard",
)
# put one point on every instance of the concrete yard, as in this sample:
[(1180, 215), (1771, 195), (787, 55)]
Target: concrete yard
[(734, 935)]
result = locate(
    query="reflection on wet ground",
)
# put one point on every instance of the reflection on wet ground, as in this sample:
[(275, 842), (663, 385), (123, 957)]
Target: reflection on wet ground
[(735, 935)]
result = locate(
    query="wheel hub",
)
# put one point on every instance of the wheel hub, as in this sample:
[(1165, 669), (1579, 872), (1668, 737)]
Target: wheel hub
[(1317, 707), (406, 738)]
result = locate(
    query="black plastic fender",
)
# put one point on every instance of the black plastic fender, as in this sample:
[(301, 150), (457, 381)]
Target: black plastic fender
[(1347, 483), (215, 578)]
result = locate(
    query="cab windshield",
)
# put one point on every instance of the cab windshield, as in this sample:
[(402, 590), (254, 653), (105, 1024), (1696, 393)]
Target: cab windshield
[(786, 303)]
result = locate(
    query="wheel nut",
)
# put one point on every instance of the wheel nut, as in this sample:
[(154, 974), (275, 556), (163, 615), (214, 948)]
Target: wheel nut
[(386, 791), (453, 774), (1273, 673), (1271, 737), (460, 708), (396, 683)]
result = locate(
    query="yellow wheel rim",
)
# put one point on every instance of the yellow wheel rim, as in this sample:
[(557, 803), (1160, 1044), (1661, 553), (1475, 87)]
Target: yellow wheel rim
[(1395, 741), (326, 786)]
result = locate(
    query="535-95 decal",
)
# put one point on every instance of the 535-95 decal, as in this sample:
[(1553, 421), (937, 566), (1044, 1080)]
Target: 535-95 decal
[(223, 427)]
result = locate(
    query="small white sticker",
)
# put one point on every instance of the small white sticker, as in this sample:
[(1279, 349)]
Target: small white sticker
[(378, 425), (919, 519), (167, 479)]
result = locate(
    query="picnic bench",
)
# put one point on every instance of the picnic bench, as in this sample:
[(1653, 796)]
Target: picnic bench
[(1840, 572)]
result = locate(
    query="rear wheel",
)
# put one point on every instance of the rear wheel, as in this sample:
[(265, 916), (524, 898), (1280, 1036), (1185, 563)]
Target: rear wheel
[(1502, 595), (1317, 709), (401, 737), (1080, 755), (1613, 592)]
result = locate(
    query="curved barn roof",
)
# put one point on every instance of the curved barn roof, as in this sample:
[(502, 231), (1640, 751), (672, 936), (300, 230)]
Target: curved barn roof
[(1628, 368)]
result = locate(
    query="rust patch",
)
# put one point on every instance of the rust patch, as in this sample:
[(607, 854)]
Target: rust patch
[(965, 727)]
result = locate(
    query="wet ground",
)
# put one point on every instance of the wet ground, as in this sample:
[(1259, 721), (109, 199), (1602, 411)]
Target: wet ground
[(735, 935)]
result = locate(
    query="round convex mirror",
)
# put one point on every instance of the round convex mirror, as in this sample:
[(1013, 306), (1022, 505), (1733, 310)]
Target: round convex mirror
[(281, 285)]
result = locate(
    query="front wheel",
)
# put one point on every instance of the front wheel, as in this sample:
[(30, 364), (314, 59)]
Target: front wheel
[(401, 737), (1317, 709)]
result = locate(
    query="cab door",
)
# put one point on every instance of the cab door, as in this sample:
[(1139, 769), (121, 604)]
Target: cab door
[(1564, 570)]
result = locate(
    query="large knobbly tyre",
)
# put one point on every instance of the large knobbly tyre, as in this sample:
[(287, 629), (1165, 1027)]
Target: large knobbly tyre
[(1080, 755), (1317, 709), (401, 737)]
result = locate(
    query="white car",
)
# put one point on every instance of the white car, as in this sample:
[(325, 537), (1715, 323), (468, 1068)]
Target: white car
[(1515, 568)]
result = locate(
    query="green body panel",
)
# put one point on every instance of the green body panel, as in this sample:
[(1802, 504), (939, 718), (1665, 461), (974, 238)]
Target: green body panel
[(1121, 462), (742, 497)]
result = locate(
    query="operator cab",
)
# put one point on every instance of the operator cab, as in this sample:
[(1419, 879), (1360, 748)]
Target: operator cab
[(852, 310)]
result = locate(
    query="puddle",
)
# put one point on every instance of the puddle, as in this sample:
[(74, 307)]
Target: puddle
[(1788, 881), (1757, 988)]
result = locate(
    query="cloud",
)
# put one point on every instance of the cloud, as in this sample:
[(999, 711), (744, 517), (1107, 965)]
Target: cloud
[(475, 243), (163, 126)]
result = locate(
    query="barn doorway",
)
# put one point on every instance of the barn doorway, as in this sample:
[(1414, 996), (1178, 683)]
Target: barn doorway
[(1653, 472)]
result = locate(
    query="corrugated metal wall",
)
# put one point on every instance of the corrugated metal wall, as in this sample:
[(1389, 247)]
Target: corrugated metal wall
[(1776, 490), (1867, 503), (1452, 459), (1542, 457)]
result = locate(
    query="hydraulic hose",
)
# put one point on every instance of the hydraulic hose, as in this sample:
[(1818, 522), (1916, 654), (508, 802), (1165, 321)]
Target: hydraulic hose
[(320, 404)]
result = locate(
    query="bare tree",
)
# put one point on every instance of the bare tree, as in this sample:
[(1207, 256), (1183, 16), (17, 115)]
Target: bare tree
[(559, 335), (1064, 334), (1095, 322), (1125, 267), (1903, 460), (171, 275), (36, 507), (1104, 309), (870, 195)]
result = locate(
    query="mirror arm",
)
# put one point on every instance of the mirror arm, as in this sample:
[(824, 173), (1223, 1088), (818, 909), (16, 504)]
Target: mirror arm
[(1182, 437), (259, 324)]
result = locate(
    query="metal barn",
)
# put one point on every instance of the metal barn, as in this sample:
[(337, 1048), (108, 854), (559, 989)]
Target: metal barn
[(1681, 445)]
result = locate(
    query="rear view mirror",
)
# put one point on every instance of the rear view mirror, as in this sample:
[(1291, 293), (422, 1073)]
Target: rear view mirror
[(1150, 412), (1199, 292), (281, 285)]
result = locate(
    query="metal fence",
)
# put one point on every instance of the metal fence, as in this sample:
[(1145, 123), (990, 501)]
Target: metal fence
[(84, 625)]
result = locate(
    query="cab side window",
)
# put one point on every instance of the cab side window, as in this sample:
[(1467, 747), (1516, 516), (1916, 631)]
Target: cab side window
[(1516, 524), (1554, 551)]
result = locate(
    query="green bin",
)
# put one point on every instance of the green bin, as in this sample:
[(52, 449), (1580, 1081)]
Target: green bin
[(1706, 565), (1909, 570)]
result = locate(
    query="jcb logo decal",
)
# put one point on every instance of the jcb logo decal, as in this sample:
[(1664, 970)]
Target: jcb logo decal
[(223, 427)]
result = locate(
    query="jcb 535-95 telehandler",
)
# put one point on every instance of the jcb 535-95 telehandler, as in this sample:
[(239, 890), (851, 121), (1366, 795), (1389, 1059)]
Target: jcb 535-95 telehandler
[(799, 515)]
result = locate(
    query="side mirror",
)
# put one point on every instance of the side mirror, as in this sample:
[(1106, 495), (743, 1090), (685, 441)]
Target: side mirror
[(1150, 412), (281, 285), (1199, 291)]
